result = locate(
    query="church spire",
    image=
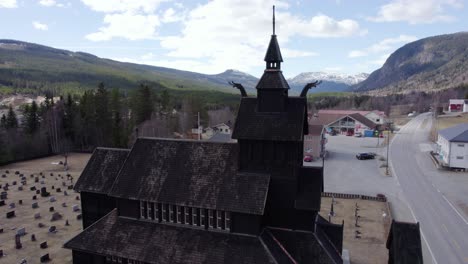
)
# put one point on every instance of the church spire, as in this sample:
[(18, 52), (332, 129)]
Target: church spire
[(273, 56)]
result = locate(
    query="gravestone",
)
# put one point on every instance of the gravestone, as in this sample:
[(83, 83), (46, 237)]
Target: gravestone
[(79, 217), (40, 225), (17, 172), (35, 205), (33, 237), (10, 214), (32, 188), (67, 223), (3, 176), (75, 208), (45, 258), (59, 190), (64, 204), (20, 201), (56, 216), (12, 205), (13, 183), (2, 202), (77, 198), (21, 231), (34, 197), (36, 179), (1, 230), (65, 193), (18, 244), (52, 199), (37, 215), (53, 187), (70, 187), (64, 184), (38, 191), (51, 209), (43, 245), (42, 182), (5, 188), (44, 192), (1, 253), (20, 188), (4, 195), (52, 229), (51, 174)]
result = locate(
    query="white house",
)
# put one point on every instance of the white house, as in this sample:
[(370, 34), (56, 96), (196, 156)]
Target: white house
[(222, 128), (452, 146), (458, 105)]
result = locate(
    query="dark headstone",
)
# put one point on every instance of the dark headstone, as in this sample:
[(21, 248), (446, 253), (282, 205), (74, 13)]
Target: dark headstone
[(51, 174), (32, 188), (1, 253), (35, 205), (36, 179), (52, 229), (70, 187), (18, 244), (77, 198), (1, 230), (33, 237), (34, 197), (3, 176), (4, 195), (79, 217), (20, 201), (37, 215), (17, 172), (64, 204), (10, 214), (13, 183), (66, 223), (53, 187), (45, 258), (7, 171), (38, 191), (56, 216), (43, 245), (59, 190), (44, 192), (40, 173), (12, 205), (51, 209), (20, 188), (65, 193), (40, 225), (2, 202)]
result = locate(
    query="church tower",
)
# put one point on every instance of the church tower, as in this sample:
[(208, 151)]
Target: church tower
[(272, 89)]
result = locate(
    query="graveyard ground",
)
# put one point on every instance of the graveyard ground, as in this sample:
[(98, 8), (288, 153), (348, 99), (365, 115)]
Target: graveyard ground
[(31, 250), (369, 247)]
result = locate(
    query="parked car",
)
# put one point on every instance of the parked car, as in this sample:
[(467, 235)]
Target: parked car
[(308, 158), (333, 133), (358, 134), (349, 133), (364, 156)]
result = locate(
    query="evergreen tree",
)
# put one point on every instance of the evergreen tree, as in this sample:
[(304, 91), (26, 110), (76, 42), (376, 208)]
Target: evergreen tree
[(165, 99), (11, 120), (31, 118), (69, 118), (3, 121), (118, 132), (103, 115), (142, 104)]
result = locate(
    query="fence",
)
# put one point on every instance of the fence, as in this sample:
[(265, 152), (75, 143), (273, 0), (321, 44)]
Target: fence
[(354, 196)]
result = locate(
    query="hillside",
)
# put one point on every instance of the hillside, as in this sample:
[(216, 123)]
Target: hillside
[(33, 67), (429, 64)]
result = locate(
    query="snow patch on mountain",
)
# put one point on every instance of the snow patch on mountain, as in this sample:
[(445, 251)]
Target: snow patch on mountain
[(307, 77)]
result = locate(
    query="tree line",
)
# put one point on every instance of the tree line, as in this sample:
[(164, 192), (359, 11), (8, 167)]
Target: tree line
[(99, 118)]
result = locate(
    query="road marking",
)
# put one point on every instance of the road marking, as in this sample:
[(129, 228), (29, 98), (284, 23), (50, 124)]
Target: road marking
[(445, 227), (455, 209), (455, 243)]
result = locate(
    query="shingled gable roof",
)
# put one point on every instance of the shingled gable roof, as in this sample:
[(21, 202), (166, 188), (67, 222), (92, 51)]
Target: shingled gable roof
[(457, 133), (161, 244), (190, 173), (290, 125), (363, 120), (101, 170)]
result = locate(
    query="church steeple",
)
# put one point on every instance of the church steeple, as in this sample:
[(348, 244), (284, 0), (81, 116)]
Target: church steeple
[(273, 56), (272, 88)]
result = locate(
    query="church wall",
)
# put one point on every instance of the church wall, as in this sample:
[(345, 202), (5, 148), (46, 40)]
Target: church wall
[(246, 223), (95, 206), (86, 258), (128, 208)]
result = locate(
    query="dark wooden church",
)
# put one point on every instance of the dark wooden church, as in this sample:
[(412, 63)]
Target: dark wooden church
[(182, 201)]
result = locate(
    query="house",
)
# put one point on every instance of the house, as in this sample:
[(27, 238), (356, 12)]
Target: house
[(222, 128), (458, 105), (452, 144), (376, 116), (200, 202), (343, 123), (314, 142)]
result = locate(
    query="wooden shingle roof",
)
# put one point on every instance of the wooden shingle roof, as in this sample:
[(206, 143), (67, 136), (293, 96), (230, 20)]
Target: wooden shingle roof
[(290, 125), (101, 170), (190, 173), (161, 244)]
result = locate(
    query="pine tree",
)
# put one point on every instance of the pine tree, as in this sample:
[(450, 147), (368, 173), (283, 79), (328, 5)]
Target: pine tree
[(118, 132), (11, 120), (103, 116), (31, 118), (142, 104), (3, 121)]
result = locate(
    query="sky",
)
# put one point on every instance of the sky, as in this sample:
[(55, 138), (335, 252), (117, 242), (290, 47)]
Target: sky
[(338, 36)]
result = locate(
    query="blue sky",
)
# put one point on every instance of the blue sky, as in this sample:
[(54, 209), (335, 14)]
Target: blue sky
[(212, 36)]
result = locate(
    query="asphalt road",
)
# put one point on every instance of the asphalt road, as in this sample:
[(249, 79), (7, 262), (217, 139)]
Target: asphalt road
[(443, 227)]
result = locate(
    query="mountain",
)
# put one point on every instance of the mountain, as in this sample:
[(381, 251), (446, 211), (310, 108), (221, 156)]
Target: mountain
[(331, 82), (428, 64), (31, 66)]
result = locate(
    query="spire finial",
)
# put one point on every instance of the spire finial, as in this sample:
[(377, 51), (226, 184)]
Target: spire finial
[(273, 20)]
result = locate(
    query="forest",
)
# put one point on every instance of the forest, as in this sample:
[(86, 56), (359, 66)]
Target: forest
[(106, 118)]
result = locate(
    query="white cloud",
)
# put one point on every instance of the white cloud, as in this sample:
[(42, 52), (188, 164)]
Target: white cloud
[(50, 3), (235, 33), (126, 25), (39, 26), (170, 16), (8, 4), (383, 46), (120, 6), (290, 53), (417, 11)]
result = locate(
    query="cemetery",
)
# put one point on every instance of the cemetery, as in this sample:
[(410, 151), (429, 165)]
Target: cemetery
[(36, 215)]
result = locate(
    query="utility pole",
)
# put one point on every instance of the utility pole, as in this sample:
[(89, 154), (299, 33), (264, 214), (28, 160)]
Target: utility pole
[(388, 148)]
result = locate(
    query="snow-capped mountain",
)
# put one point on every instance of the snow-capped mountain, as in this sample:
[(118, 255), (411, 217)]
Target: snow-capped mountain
[(331, 82), (307, 77)]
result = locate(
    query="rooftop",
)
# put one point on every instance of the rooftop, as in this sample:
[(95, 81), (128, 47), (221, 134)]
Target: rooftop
[(458, 133)]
